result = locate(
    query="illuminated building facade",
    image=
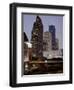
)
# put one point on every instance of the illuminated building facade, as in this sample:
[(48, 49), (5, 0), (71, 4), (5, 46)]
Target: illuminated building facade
[(37, 38)]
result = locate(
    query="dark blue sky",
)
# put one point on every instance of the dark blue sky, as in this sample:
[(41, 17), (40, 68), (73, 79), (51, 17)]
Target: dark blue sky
[(47, 20)]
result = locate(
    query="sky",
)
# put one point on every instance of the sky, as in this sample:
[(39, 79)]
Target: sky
[(57, 20)]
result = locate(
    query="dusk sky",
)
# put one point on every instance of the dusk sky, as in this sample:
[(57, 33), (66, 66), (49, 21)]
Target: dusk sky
[(28, 21)]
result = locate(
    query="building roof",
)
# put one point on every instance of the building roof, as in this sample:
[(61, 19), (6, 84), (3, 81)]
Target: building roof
[(28, 44)]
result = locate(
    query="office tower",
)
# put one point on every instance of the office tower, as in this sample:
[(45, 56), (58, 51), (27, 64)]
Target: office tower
[(52, 30), (47, 38), (37, 38), (56, 44)]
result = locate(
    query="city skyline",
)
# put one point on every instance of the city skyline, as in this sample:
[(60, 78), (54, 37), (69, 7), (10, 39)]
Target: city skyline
[(57, 21), (44, 51)]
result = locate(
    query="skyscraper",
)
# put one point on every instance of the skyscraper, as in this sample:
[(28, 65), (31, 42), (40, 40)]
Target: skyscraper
[(47, 38), (57, 44), (47, 45), (37, 38), (52, 30)]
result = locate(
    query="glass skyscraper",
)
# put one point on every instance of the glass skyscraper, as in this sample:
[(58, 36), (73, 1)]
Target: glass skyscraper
[(52, 30), (37, 38)]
